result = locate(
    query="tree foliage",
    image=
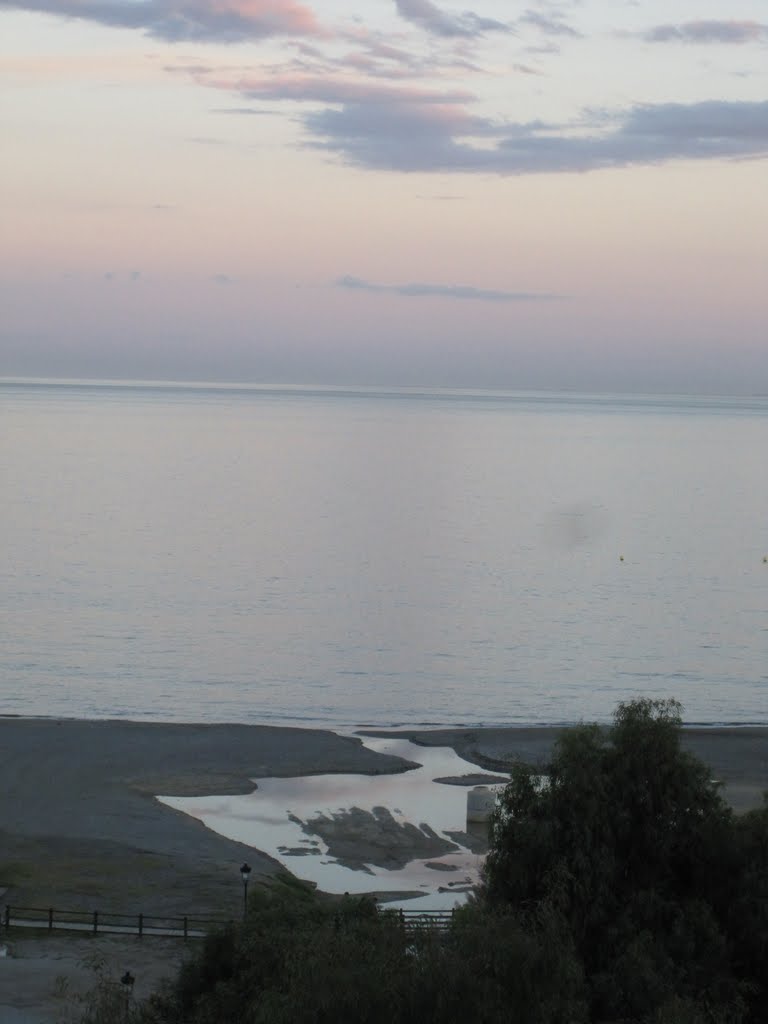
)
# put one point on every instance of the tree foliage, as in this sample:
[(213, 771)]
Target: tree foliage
[(303, 959), (661, 887)]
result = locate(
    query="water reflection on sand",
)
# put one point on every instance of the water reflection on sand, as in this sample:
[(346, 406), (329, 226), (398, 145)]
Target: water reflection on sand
[(363, 826)]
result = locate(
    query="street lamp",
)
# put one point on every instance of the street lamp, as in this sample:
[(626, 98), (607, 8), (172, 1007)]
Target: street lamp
[(245, 874), (127, 981)]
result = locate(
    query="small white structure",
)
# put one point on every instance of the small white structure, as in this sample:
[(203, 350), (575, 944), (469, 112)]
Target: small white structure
[(481, 801)]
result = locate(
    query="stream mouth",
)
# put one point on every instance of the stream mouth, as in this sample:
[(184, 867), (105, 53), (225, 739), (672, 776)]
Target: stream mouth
[(405, 835)]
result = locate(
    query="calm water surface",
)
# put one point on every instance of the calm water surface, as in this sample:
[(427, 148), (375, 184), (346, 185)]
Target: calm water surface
[(273, 819), (340, 558)]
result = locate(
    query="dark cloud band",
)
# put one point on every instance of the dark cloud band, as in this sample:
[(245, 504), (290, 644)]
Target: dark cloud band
[(708, 32), (414, 137), (438, 22)]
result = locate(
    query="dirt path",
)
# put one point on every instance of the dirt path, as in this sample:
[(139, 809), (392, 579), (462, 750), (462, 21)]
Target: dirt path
[(42, 980)]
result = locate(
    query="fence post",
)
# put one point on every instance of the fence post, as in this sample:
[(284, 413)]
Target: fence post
[(95, 921), (141, 925), (7, 916), (185, 927), (50, 919)]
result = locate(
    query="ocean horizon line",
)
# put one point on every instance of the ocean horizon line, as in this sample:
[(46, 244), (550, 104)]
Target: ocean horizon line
[(334, 389)]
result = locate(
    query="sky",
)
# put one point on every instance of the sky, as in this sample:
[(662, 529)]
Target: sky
[(555, 194)]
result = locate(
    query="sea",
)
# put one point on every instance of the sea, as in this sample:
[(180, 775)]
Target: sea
[(341, 557)]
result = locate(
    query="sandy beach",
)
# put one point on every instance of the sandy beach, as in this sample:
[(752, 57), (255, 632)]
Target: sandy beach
[(81, 828)]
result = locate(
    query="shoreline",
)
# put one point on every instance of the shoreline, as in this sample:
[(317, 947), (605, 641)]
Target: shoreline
[(363, 728), (737, 755), (80, 825)]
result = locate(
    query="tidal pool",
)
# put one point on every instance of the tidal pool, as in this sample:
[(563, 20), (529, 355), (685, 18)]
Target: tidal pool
[(401, 833)]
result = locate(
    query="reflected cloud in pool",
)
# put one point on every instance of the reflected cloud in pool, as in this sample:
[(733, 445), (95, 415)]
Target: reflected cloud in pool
[(277, 818)]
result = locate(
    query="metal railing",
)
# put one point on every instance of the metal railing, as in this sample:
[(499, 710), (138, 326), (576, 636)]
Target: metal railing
[(423, 920)]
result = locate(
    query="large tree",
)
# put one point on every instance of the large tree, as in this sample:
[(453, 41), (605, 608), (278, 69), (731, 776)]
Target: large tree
[(626, 837)]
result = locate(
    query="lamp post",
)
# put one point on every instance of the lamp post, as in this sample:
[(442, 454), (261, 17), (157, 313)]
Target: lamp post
[(127, 981), (245, 874)]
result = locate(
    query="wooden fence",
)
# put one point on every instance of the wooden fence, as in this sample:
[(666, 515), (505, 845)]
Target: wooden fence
[(100, 923), (96, 922)]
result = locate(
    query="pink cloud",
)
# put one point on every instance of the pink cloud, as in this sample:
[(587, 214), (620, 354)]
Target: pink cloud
[(283, 16), (226, 21)]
